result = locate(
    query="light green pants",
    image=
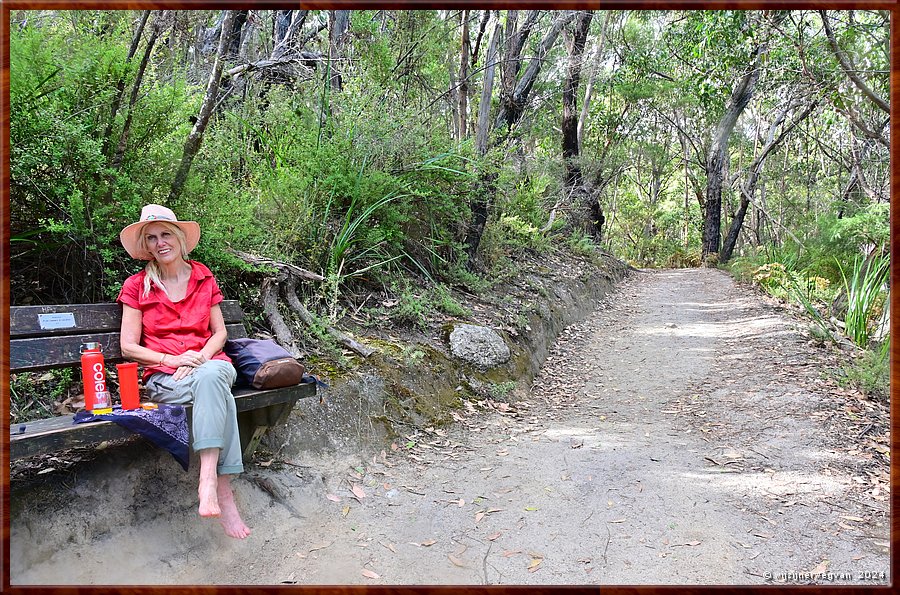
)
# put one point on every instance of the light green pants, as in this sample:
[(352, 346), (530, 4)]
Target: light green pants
[(214, 417)]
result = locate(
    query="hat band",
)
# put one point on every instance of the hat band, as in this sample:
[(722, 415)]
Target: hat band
[(155, 217)]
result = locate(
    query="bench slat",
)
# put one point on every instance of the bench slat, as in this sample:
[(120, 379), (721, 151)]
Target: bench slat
[(44, 353), (57, 433), (58, 345), (25, 321)]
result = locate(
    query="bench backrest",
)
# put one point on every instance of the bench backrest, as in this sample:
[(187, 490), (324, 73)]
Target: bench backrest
[(46, 337)]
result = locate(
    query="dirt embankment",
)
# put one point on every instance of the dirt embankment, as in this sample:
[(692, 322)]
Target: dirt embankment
[(685, 432)]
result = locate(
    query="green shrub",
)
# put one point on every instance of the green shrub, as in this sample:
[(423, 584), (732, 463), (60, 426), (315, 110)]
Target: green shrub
[(869, 373)]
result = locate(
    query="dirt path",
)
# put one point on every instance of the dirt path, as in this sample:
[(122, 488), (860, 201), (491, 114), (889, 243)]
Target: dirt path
[(683, 434)]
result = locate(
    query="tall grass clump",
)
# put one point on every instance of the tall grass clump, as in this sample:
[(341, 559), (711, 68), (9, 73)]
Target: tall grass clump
[(865, 294)]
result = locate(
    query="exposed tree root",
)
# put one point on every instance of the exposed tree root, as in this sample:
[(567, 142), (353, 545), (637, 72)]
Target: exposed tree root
[(286, 277)]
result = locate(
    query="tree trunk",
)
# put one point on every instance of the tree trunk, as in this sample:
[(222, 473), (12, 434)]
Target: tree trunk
[(126, 128), (511, 111), (506, 118), (234, 33), (755, 169), (589, 87), (287, 24), (338, 24), (850, 69), (463, 89), (482, 127), (570, 146), (485, 17), (514, 43), (718, 154), (479, 204), (120, 86), (195, 138), (687, 191)]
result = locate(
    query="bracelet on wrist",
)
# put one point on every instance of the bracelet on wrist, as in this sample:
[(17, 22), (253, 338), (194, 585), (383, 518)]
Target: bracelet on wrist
[(162, 359)]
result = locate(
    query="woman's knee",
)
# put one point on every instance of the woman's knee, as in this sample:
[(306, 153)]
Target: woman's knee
[(215, 371)]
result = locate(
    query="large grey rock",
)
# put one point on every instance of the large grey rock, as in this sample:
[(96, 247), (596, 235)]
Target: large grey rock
[(478, 345)]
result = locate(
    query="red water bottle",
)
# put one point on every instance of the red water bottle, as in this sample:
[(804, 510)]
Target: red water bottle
[(93, 373)]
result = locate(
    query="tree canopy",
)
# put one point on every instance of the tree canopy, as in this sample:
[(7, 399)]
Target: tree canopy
[(377, 145)]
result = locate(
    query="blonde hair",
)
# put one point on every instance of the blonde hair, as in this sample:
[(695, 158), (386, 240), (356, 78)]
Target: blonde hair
[(152, 268)]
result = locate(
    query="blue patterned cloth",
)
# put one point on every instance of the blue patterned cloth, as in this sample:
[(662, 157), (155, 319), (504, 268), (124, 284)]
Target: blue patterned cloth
[(165, 427)]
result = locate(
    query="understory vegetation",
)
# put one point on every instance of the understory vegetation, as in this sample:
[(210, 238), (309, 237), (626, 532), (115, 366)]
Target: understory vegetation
[(411, 157), (843, 290)]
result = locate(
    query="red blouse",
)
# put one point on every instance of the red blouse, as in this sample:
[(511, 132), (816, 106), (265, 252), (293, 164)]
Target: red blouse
[(174, 327)]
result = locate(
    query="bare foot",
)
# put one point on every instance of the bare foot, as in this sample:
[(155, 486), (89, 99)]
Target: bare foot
[(209, 500), (231, 519)]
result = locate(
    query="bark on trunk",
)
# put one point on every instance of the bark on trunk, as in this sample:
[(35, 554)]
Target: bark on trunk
[(290, 295), (570, 146), (120, 86), (283, 268), (755, 169), (269, 298), (482, 127), (479, 205), (511, 111), (287, 24), (849, 68), (339, 23), (126, 128), (512, 53), (463, 89), (234, 33), (718, 154), (286, 277), (589, 87), (195, 138), (487, 189)]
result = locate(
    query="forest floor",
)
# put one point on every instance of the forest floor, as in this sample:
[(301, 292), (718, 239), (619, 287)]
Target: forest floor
[(688, 432)]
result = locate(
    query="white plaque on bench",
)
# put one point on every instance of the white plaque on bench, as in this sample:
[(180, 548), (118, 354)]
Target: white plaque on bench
[(60, 320)]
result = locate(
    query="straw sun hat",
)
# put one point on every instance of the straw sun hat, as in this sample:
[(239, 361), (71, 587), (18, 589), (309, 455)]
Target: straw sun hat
[(131, 235)]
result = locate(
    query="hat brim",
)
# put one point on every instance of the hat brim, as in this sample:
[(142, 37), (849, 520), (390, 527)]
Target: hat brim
[(130, 237)]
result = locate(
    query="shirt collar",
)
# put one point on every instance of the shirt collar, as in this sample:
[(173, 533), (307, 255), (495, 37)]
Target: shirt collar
[(199, 272)]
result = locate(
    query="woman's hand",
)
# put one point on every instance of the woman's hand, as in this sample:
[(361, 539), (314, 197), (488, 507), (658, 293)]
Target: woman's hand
[(185, 363), (189, 358)]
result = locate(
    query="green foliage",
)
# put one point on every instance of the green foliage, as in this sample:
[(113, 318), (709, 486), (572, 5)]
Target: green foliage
[(501, 390), (33, 395), (446, 303), (68, 205), (865, 297), (870, 373), (580, 243)]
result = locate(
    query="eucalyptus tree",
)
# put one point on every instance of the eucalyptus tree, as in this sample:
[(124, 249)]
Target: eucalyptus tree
[(848, 53), (513, 102), (195, 138), (575, 40)]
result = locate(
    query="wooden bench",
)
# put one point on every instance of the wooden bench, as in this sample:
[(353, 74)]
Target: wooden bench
[(50, 337)]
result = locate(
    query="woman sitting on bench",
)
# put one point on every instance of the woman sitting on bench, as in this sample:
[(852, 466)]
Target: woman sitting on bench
[(172, 324)]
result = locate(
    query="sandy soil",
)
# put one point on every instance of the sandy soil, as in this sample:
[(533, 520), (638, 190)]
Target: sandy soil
[(684, 434)]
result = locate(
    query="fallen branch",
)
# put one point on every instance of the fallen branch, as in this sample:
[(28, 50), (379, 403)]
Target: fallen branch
[(290, 295), (296, 62), (269, 297), (290, 269)]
